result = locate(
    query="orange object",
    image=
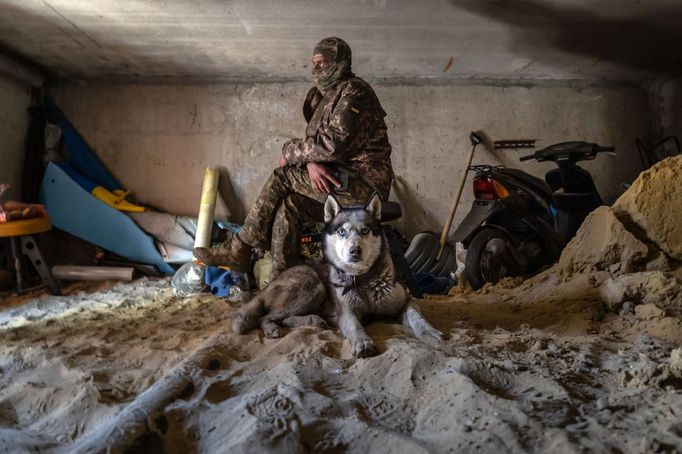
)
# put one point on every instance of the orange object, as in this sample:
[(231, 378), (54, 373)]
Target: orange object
[(12, 210), (25, 227), (500, 190), (23, 243)]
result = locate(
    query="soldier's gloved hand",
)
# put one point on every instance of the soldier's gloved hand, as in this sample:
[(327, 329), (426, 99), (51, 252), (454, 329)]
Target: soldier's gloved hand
[(321, 177)]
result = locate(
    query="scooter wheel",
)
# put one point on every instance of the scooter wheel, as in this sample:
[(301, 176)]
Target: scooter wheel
[(482, 264)]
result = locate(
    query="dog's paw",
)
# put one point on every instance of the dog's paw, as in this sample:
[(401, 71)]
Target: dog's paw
[(271, 330), (424, 330), (364, 348), (316, 320), (273, 333), (433, 332)]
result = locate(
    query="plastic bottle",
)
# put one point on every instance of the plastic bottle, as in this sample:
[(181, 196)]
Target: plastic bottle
[(239, 291), (261, 271), (188, 279)]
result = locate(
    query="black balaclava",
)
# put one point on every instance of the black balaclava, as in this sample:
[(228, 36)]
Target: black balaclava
[(337, 52)]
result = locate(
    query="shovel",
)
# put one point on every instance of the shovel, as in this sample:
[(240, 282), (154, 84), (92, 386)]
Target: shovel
[(475, 140)]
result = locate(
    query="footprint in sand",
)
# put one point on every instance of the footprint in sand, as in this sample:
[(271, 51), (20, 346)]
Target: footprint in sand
[(275, 413), (219, 392), (8, 415), (109, 393), (387, 412), (494, 380), (329, 442)]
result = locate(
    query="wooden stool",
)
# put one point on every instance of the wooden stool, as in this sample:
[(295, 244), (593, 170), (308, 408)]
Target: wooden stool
[(20, 234)]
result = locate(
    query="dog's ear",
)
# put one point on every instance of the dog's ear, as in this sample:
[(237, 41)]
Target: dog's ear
[(374, 207), (331, 208)]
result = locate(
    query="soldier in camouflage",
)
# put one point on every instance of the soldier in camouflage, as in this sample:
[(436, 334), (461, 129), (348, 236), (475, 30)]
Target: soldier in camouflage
[(346, 133)]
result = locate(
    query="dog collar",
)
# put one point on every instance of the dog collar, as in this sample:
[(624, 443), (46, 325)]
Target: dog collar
[(367, 279)]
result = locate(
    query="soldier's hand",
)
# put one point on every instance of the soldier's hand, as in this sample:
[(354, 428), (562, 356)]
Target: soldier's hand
[(282, 161), (321, 177)]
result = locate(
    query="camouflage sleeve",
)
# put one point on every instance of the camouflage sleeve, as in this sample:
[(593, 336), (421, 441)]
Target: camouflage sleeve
[(312, 99), (331, 141)]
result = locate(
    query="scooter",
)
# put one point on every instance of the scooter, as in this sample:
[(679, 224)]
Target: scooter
[(519, 223)]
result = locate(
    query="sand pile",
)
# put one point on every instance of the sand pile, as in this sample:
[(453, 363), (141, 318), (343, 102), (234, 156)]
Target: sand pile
[(583, 357), (653, 204), (614, 257)]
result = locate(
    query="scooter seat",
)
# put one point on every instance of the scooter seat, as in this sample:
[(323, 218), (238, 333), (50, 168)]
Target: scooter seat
[(390, 211), (537, 184)]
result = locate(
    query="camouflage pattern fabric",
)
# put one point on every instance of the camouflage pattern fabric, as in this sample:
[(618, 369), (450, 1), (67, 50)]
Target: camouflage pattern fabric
[(346, 128), (294, 211), (286, 201), (337, 54)]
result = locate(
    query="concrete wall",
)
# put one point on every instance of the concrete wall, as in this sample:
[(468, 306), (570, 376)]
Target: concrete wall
[(157, 139), (668, 108), (15, 98)]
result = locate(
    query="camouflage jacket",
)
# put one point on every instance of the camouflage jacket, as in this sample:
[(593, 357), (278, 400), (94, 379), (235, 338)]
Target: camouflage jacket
[(346, 128)]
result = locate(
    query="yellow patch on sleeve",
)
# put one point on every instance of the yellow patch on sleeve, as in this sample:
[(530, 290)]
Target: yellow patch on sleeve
[(355, 110)]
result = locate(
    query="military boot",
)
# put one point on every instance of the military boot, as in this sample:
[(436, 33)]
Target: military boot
[(233, 253)]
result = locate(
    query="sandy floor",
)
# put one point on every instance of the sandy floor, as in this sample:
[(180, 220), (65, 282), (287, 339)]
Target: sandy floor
[(134, 364), (584, 357)]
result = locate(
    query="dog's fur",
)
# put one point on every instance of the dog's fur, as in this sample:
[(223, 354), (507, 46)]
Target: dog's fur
[(358, 280)]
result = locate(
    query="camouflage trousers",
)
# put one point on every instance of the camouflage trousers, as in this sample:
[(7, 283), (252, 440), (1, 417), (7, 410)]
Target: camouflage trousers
[(286, 202)]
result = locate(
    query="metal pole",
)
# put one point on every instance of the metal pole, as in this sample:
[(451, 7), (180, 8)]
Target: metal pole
[(16, 254)]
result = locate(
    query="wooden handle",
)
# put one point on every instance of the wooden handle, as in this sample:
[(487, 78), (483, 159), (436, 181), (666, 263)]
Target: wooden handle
[(453, 208)]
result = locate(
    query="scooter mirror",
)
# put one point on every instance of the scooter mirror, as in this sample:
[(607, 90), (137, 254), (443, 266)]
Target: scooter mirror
[(475, 138)]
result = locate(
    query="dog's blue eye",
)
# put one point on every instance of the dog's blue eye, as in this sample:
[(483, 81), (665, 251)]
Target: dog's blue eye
[(364, 231), (341, 232)]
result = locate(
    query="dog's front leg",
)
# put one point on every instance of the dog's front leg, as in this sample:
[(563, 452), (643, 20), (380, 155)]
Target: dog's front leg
[(413, 319), (352, 329)]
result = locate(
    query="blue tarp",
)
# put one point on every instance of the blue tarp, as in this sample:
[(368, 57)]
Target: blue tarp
[(85, 182), (81, 156)]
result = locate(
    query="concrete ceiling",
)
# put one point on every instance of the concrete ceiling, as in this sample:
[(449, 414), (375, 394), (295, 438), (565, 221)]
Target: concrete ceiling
[(391, 39)]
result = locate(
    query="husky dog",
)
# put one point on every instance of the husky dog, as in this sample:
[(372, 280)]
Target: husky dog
[(357, 281)]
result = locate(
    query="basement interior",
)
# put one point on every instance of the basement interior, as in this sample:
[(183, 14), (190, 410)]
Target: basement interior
[(367, 226)]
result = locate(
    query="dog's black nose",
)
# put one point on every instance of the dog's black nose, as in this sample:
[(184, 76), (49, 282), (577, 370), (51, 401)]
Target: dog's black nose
[(355, 251)]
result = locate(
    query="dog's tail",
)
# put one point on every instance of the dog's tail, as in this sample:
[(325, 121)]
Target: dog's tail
[(248, 316)]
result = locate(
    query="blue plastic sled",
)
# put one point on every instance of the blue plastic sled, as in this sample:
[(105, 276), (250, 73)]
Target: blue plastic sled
[(74, 210)]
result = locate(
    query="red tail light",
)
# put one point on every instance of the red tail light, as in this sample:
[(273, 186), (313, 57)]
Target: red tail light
[(484, 188)]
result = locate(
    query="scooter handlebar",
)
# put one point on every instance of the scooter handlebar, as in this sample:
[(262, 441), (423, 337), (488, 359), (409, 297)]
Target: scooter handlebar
[(577, 151)]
